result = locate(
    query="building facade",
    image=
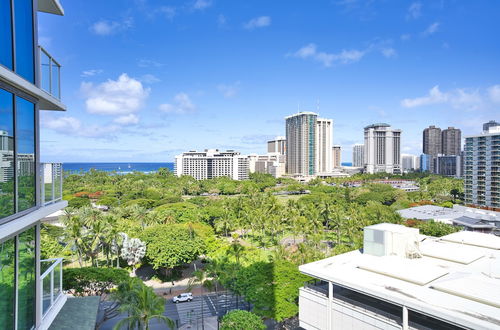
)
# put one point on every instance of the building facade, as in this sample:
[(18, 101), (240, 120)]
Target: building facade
[(452, 141), (212, 163), (448, 165), (482, 169), (490, 124), (301, 143), (278, 145), (30, 288), (337, 156), (323, 145), (358, 158), (382, 149), (410, 163), (431, 141), (400, 281), (272, 163)]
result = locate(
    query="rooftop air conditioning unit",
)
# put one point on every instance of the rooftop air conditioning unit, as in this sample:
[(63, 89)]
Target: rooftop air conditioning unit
[(387, 239)]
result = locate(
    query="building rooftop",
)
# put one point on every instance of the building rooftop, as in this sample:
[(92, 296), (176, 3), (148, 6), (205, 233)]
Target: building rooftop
[(456, 278), (302, 113), (378, 125), (447, 215)]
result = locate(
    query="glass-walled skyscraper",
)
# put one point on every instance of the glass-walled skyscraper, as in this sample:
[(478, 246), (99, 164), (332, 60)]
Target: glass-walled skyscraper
[(21, 204)]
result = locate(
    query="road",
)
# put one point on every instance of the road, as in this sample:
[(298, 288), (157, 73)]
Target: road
[(202, 309)]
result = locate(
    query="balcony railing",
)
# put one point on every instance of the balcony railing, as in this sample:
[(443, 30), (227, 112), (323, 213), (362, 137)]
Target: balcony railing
[(51, 175), (50, 74), (50, 284)]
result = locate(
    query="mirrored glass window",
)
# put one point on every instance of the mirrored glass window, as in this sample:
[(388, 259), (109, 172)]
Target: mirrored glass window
[(7, 287), (6, 154), (5, 34), (25, 137), (26, 280), (23, 21)]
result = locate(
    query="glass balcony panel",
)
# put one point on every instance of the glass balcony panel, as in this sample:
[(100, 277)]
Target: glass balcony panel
[(45, 71), (46, 302), (50, 74), (51, 177)]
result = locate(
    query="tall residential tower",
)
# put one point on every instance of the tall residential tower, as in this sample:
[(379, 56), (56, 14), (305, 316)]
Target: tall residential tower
[(308, 144), (432, 141), (452, 141), (358, 155), (482, 169)]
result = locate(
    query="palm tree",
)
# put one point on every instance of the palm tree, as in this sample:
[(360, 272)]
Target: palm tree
[(142, 307)]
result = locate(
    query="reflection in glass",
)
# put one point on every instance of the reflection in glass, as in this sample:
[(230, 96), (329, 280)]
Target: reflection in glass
[(26, 279), (6, 34), (55, 80), (6, 154), (25, 136), (45, 71), (23, 20), (7, 255)]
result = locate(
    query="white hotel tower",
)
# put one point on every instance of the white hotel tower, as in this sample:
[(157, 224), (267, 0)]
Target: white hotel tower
[(212, 163), (382, 150)]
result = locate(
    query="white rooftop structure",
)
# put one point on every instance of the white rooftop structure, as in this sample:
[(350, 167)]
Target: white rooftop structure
[(447, 215), (451, 282)]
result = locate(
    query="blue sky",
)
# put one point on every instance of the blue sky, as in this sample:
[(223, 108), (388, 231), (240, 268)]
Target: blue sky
[(147, 79)]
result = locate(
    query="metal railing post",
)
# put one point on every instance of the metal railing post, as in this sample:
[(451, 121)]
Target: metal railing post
[(42, 185)]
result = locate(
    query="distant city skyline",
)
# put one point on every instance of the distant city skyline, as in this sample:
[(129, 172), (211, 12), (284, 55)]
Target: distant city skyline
[(225, 75)]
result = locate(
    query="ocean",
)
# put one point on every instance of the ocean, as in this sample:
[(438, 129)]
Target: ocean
[(121, 168)]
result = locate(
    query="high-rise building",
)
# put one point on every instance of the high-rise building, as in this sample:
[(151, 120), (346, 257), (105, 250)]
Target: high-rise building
[(212, 163), (426, 163), (31, 292), (448, 165), (410, 163), (308, 144), (358, 155), (490, 124), (432, 141), (323, 145), (301, 143), (337, 156), (452, 141), (278, 145), (482, 169), (382, 149)]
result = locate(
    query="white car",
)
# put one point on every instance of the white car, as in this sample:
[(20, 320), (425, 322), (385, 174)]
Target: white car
[(182, 297)]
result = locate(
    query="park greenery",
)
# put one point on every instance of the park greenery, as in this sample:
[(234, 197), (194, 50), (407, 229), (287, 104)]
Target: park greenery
[(250, 235)]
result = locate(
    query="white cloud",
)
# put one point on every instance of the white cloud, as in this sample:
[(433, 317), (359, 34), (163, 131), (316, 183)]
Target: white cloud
[(229, 91), (431, 29), (90, 73), (257, 22), (167, 11), (145, 63), (405, 37), (181, 104), (105, 28), (414, 11), (388, 52), (460, 98), (115, 97), (149, 79), (202, 4), (221, 20), (494, 93), (72, 126), (129, 119), (327, 59)]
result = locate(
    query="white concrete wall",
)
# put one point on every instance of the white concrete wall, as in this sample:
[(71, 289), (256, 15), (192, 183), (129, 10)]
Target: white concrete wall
[(313, 314)]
